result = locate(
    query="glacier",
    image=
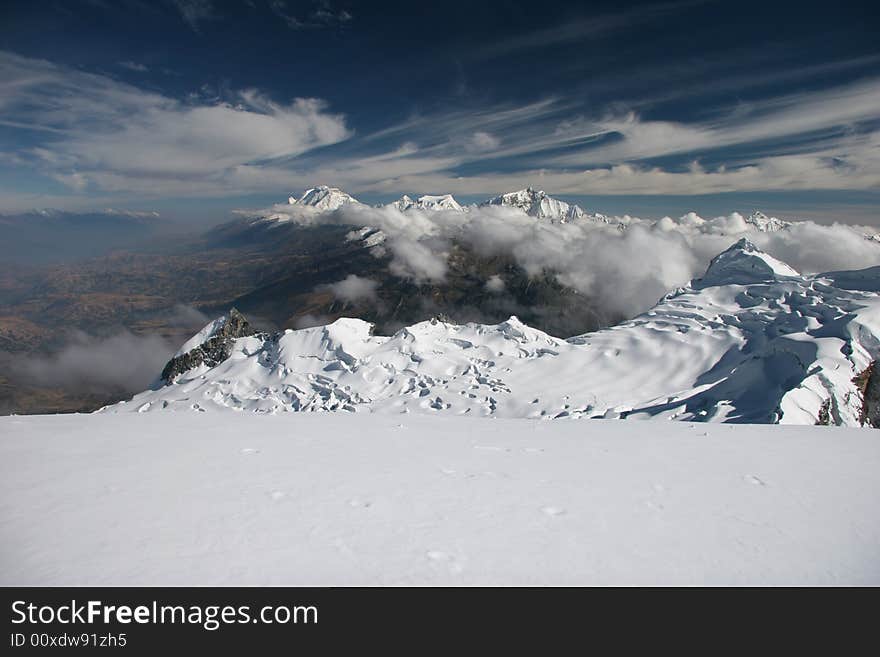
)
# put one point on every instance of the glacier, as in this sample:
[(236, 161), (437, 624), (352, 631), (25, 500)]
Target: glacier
[(751, 341)]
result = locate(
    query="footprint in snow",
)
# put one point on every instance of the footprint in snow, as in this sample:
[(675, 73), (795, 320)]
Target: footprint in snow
[(655, 503), (553, 511), (444, 558), (752, 479), (357, 503), (249, 450), (343, 547), (277, 495)]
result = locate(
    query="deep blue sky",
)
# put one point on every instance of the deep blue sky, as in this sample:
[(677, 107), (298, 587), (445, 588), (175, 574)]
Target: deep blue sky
[(190, 106)]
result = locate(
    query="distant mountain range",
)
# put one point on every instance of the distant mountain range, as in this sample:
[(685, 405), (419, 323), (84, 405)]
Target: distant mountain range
[(535, 203)]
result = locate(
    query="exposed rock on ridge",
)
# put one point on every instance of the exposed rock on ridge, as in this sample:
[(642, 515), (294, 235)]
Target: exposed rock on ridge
[(213, 350)]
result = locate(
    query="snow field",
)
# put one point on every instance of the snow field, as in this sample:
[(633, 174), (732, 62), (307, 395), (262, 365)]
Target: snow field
[(215, 498)]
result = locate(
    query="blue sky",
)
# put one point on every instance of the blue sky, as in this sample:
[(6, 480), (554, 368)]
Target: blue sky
[(196, 107)]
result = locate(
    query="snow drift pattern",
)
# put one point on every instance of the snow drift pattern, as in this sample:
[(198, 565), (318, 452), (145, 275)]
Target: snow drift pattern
[(751, 341)]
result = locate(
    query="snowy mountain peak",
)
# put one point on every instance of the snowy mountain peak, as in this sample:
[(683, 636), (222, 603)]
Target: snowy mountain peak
[(439, 202), (428, 202), (766, 224), (404, 203), (538, 204), (323, 198), (744, 263)]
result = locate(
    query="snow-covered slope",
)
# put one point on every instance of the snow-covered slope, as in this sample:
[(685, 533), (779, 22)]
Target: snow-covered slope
[(298, 499), (744, 263), (210, 330), (751, 341), (323, 198), (538, 204)]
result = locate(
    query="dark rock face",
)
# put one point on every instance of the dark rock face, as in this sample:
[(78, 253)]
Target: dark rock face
[(212, 351), (869, 384), (825, 413)]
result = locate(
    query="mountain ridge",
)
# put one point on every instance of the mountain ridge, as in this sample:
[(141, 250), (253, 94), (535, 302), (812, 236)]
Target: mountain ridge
[(771, 347), (534, 203)]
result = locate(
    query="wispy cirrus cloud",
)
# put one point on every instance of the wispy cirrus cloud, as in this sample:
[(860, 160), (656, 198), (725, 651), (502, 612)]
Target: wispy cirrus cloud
[(584, 28), (107, 135), (96, 135), (134, 66), (195, 12), (801, 117), (320, 15), (822, 140)]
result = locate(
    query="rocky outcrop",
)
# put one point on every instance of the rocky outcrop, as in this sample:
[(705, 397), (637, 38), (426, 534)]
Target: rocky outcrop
[(868, 383), (824, 414), (213, 350)]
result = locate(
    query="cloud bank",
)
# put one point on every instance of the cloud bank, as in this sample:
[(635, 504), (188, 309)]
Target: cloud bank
[(624, 266), (110, 365), (121, 363)]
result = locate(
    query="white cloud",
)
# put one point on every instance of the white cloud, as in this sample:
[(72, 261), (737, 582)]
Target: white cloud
[(418, 259), (483, 141), (117, 137), (495, 284), (353, 288)]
